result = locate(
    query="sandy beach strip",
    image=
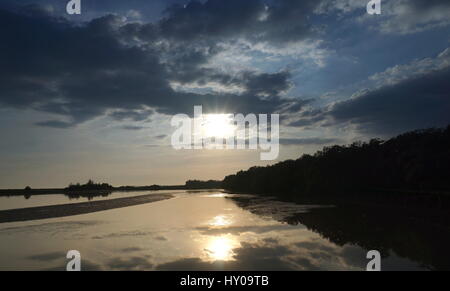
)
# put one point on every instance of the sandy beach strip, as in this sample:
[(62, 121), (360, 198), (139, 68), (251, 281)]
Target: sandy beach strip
[(52, 211)]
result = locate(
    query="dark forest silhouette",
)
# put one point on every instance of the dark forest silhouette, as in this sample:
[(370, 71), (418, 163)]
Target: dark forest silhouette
[(197, 184), (415, 162)]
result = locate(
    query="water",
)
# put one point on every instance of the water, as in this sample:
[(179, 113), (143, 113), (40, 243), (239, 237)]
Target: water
[(215, 231)]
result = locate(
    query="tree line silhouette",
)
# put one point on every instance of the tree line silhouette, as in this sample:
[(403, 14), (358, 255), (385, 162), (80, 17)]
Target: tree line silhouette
[(197, 184), (89, 186), (417, 161)]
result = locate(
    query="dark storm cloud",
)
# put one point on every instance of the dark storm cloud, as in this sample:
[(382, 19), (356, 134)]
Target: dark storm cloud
[(255, 20), (267, 84), (37, 9), (414, 103), (127, 70), (193, 33), (81, 72), (213, 18), (405, 97), (417, 102)]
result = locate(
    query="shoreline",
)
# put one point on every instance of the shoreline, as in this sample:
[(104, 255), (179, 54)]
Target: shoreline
[(62, 210), (63, 191)]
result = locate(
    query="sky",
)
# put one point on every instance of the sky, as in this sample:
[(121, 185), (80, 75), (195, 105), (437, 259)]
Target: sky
[(92, 95)]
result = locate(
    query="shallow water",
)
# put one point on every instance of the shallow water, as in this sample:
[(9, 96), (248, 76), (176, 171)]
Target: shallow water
[(204, 231)]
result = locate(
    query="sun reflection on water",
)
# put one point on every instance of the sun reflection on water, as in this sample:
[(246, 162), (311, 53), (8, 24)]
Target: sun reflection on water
[(217, 195), (220, 248), (220, 220)]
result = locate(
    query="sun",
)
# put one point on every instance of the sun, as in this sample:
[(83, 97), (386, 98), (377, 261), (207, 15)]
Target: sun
[(218, 125)]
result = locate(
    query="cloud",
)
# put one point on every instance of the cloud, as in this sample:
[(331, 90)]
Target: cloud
[(343, 6), (418, 102), (416, 68), (54, 123), (48, 257), (131, 250), (411, 16), (134, 14), (397, 17), (132, 70), (295, 106), (132, 263), (308, 141), (111, 66), (37, 9), (306, 117), (133, 115), (162, 136), (133, 127), (405, 97), (86, 266), (255, 20)]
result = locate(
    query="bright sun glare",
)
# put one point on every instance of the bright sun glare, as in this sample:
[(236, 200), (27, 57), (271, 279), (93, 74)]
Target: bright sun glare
[(221, 248), (218, 125)]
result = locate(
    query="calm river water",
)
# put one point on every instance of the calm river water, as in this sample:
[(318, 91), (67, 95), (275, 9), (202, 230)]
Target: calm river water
[(210, 230)]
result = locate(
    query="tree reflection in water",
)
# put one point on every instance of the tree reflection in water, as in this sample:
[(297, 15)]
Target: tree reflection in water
[(418, 236)]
